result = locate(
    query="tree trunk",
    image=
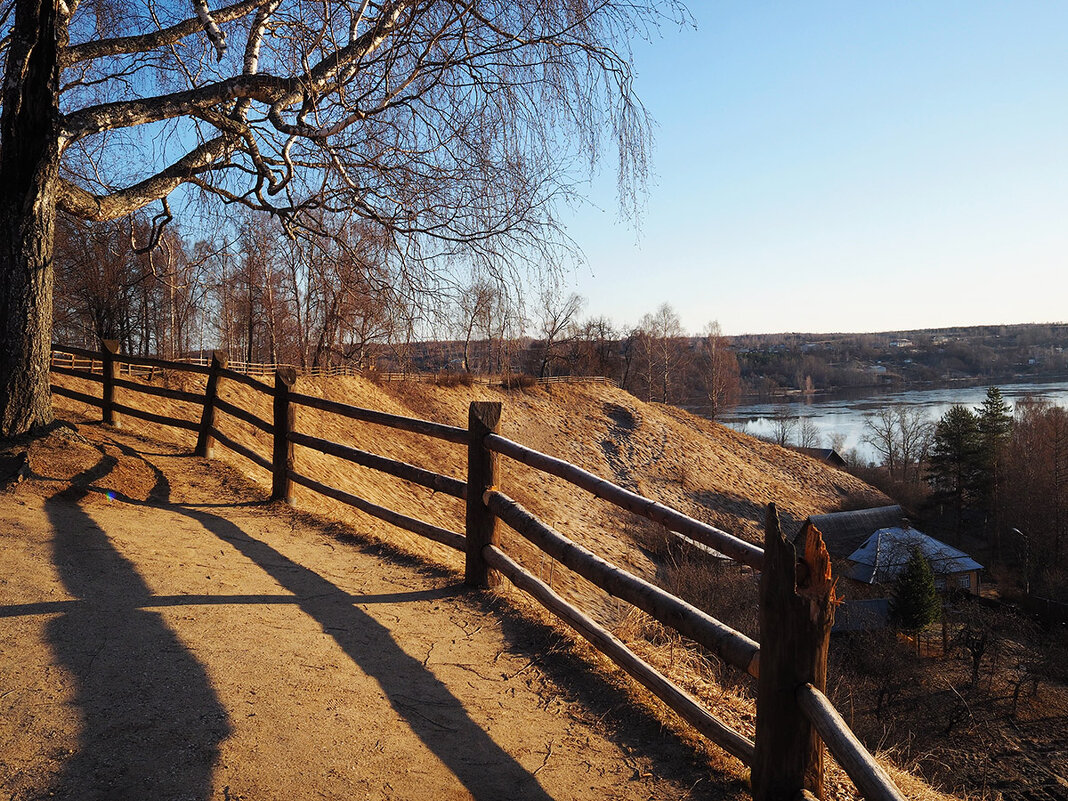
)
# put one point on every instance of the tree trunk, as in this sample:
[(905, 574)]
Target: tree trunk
[(29, 170)]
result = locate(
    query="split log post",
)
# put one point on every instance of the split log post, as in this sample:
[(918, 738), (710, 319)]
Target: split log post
[(796, 612), (205, 440), (284, 418), (482, 419), (109, 349)]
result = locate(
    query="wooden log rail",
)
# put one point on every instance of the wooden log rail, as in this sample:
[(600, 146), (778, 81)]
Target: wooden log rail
[(444, 536), (794, 718), (867, 774), (425, 427), (612, 647), (737, 549), (734, 648), (408, 472)]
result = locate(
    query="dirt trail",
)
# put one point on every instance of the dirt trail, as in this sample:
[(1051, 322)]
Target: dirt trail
[(166, 634)]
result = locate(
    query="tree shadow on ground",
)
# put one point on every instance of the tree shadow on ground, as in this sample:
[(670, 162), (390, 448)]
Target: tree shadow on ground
[(152, 723), (431, 711)]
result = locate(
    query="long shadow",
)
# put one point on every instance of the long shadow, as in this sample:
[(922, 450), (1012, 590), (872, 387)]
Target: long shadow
[(151, 722), (430, 710)]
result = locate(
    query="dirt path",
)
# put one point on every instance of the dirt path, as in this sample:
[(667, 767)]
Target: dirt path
[(165, 635)]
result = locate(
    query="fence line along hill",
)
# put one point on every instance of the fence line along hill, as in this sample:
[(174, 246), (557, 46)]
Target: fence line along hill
[(701, 468), (665, 478)]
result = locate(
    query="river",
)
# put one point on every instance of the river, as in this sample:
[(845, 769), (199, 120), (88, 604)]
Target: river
[(845, 416)]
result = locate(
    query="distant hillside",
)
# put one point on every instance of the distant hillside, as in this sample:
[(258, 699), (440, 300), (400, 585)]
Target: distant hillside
[(771, 363)]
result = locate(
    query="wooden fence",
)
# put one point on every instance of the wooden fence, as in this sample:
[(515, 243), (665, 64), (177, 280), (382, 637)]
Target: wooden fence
[(263, 369), (794, 718)]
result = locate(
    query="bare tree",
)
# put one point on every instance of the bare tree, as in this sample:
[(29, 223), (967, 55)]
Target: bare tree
[(809, 433), (783, 423), (666, 352), (557, 326), (439, 123), (474, 310), (902, 436), (718, 370)]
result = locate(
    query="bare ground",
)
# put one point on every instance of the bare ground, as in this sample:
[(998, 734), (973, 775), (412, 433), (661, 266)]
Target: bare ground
[(167, 634)]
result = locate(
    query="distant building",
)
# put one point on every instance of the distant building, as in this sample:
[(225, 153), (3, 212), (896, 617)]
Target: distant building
[(827, 455), (883, 556), (844, 532)]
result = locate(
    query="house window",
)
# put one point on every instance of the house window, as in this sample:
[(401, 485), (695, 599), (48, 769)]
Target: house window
[(965, 581), (940, 583)]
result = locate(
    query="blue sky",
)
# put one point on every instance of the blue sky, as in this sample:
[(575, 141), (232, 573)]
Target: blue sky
[(845, 166)]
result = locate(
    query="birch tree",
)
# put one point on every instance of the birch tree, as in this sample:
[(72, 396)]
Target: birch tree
[(454, 127)]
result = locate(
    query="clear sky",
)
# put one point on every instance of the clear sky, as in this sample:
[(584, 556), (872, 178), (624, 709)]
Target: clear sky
[(846, 166)]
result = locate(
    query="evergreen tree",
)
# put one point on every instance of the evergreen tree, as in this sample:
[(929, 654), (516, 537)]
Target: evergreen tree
[(914, 602), (955, 463), (995, 428)]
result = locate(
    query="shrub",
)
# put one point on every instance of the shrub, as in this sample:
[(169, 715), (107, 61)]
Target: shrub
[(522, 381), (454, 379)]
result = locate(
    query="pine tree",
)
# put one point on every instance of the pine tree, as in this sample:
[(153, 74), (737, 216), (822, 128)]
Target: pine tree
[(995, 428), (955, 463), (914, 602)]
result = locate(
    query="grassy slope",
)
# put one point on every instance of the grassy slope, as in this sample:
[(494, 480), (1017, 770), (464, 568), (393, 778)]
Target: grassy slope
[(706, 470)]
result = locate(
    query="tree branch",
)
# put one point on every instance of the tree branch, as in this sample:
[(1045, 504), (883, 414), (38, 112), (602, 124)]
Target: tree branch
[(76, 201), (103, 48)]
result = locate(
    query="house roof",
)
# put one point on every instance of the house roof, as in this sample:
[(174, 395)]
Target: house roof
[(828, 455), (886, 552), (844, 532)]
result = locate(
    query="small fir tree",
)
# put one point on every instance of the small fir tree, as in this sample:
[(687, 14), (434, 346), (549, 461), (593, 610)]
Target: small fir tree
[(914, 602)]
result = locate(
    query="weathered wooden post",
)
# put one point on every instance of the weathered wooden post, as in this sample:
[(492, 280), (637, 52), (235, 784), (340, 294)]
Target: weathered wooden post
[(109, 349), (205, 439), (482, 419), (796, 612), (284, 417)]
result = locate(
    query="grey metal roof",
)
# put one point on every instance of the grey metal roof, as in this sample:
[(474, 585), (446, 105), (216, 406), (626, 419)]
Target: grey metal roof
[(844, 532), (886, 552)]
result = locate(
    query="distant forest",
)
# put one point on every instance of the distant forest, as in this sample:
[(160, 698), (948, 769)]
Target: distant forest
[(329, 301), (774, 363)]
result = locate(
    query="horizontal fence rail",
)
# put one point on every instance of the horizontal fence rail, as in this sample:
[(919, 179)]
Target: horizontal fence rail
[(436, 430), (734, 648), (739, 550), (408, 472), (612, 647), (455, 541), (485, 559)]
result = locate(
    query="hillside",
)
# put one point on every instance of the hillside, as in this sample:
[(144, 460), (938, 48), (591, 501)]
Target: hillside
[(711, 472), (706, 470)]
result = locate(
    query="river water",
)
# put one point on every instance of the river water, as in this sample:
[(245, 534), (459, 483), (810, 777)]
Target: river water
[(846, 416)]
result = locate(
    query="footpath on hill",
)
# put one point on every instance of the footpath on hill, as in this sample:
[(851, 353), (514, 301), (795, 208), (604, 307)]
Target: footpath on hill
[(165, 633)]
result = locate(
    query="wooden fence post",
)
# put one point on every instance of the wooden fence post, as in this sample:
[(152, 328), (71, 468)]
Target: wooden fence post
[(482, 419), (205, 440), (796, 613), (109, 349), (284, 417)]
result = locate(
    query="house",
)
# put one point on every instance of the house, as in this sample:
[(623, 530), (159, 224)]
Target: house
[(828, 455), (883, 556), (844, 532)]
